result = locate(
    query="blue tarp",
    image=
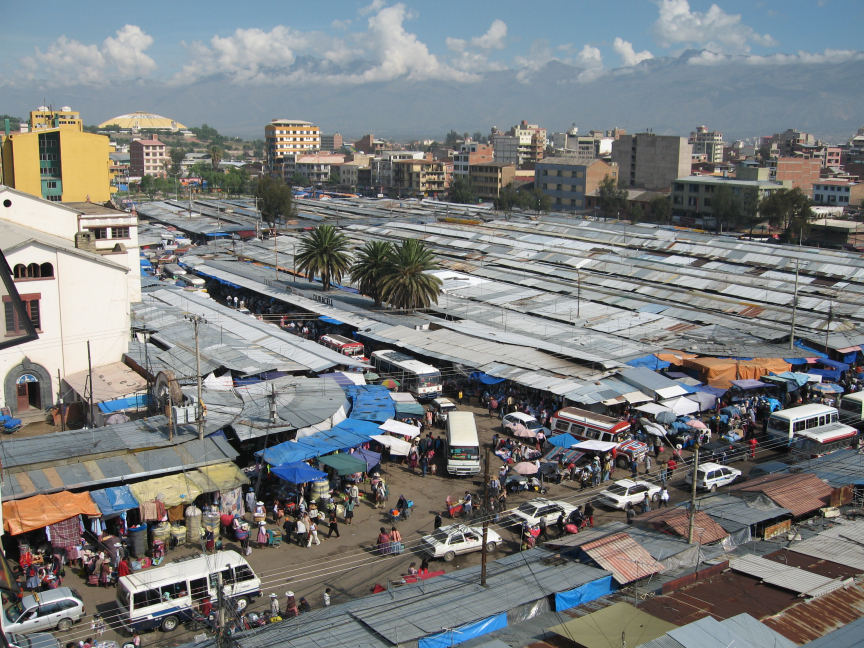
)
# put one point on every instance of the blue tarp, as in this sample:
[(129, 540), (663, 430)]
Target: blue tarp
[(849, 358), (347, 434), (811, 350), (113, 501), (842, 366), (372, 459), (298, 473), (563, 440), (689, 388), (222, 281), (798, 378), (145, 263), (371, 403), (132, 402), (330, 320), (486, 379), (715, 391), (465, 632), (651, 362), (584, 594), (830, 374), (795, 361)]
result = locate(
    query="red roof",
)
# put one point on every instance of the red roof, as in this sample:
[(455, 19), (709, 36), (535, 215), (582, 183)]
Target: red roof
[(801, 493), (623, 556), (677, 521)]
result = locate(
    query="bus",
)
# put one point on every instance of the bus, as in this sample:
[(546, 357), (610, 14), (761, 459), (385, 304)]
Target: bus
[(422, 380), (165, 596), (812, 429), (852, 409), (344, 345), (463, 446), (590, 426)]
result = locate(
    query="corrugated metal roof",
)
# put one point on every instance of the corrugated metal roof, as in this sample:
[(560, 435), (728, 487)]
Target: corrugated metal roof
[(742, 511), (810, 620), (849, 636), (843, 544), (801, 493), (758, 634), (622, 556), (798, 580)]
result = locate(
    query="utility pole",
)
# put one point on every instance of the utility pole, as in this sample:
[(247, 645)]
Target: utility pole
[(222, 640), (196, 321), (271, 397), (578, 293), (794, 308), (60, 400), (276, 252), (485, 519), (90, 374), (828, 328), (692, 528)]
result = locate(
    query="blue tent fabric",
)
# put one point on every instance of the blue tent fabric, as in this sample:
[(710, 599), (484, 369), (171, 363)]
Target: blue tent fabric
[(115, 500), (584, 594), (372, 459), (849, 358), (842, 366), (486, 379), (563, 440), (371, 403), (330, 320), (830, 374), (298, 473), (347, 434), (688, 388), (799, 379), (716, 391), (409, 409), (650, 361), (811, 350), (132, 402), (795, 361), (465, 632)]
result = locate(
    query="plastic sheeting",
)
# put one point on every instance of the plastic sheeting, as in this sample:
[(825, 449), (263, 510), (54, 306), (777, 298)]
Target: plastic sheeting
[(25, 515), (830, 374), (565, 440), (842, 366), (397, 446), (298, 473), (810, 350), (120, 404), (718, 372), (651, 362), (584, 594), (465, 632), (371, 403), (113, 501), (528, 611), (397, 427), (347, 434), (221, 477), (172, 490), (486, 379), (344, 464)]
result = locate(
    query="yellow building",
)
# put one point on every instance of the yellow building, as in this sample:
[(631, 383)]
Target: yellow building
[(289, 137), (45, 117), (61, 164)]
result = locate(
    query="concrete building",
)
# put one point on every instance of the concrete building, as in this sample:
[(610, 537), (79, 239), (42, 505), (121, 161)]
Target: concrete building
[(370, 145), (523, 143), (471, 153), (382, 165), (802, 173), (420, 177), (316, 167), (331, 142), (349, 173), (506, 148), (784, 142), (692, 195), (73, 293), (147, 157), (828, 156), (838, 193), (490, 178), (45, 117), (289, 137), (649, 161), (584, 147), (567, 180), (836, 232), (707, 143)]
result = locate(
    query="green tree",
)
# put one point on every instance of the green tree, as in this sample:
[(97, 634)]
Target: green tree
[(784, 206), (661, 209), (535, 200), (334, 179), (274, 199), (462, 191), (234, 182), (479, 137), (324, 252), (637, 213), (452, 138), (750, 217), (175, 158), (299, 180), (148, 185), (14, 122), (724, 206), (612, 198), (371, 264), (215, 156), (407, 284), (507, 199)]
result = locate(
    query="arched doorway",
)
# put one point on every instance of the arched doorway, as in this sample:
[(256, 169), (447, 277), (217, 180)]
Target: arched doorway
[(27, 387)]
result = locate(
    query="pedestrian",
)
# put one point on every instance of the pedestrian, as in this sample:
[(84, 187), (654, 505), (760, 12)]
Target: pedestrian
[(663, 473), (561, 523), (424, 464), (287, 528), (396, 546), (383, 542), (354, 494), (349, 511), (136, 640), (634, 468), (753, 443), (631, 513), (290, 606), (646, 504), (327, 597), (664, 497), (333, 525), (262, 535), (589, 514), (543, 529), (438, 520), (494, 487), (647, 463), (300, 532), (312, 525), (467, 504), (303, 606), (274, 606)]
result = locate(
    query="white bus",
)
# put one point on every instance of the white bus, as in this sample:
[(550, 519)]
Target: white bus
[(813, 429), (422, 380), (165, 596), (852, 409), (463, 446)]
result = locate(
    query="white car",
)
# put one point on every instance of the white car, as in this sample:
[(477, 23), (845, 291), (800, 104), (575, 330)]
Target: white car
[(711, 476), (533, 510), (448, 541), (510, 421), (628, 491)]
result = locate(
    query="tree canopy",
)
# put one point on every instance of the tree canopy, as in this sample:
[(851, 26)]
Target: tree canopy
[(274, 199), (462, 191), (535, 200), (724, 207), (661, 209), (507, 199), (371, 264), (324, 252), (787, 210), (612, 198), (406, 283)]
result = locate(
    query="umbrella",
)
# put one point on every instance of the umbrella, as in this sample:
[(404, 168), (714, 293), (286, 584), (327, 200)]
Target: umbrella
[(521, 431), (827, 388), (390, 384), (653, 428), (705, 400), (298, 473), (696, 423), (524, 468), (666, 417)]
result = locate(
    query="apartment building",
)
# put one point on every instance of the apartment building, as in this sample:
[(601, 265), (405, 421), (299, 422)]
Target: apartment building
[(692, 195), (523, 143), (369, 145), (584, 147), (783, 143), (489, 178), (289, 137), (649, 161), (382, 165), (567, 180), (828, 156), (838, 193), (707, 143), (331, 142), (420, 177), (316, 167), (147, 157), (469, 154), (802, 173), (350, 174), (45, 117)]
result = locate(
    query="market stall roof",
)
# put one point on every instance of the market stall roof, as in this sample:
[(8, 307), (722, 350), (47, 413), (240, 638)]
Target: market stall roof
[(110, 382), (298, 473), (595, 446), (623, 556), (172, 490), (636, 397), (748, 383), (653, 408), (565, 440), (40, 511), (593, 630), (344, 463), (221, 477), (681, 405), (346, 434), (113, 501), (372, 459), (397, 446), (398, 427)]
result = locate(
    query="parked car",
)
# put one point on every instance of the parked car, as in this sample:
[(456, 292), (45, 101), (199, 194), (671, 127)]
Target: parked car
[(35, 640), (711, 476), (58, 608), (449, 541), (722, 452), (532, 510), (510, 421), (443, 406), (628, 491)]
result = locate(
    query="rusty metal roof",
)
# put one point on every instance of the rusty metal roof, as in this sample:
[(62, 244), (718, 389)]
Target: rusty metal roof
[(800, 493), (677, 520), (811, 619), (621, 555), (803, 582)]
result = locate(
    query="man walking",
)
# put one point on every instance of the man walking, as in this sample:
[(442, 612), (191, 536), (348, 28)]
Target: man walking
[(313, 533), (646, 504), (589, 514), (634, 468), (300, 532), (274, 606), (438, 520), (543, 529), (647, 463), (333, 524), (664, 497)]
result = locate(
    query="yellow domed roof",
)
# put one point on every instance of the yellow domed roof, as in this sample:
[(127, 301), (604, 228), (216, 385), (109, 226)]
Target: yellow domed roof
[(139, 120)]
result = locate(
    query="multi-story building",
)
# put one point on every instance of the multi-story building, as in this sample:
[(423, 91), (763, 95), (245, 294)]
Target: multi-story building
[(350, 173), (331, 142), (471, 153), (828, 156), (289, 137), (802, 173), (420, 177), (838, 193), (489, 178), (45, 117), (147, 157), (649, 161), (707, 143), (692, 195), (584, 147), (784, 142), (382, 166), (316, 167), (506, 148), (567, 180), (368, 144), (522, 143)]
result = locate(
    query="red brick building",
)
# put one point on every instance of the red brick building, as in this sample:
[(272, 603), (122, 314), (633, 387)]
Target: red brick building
[(802, 173)]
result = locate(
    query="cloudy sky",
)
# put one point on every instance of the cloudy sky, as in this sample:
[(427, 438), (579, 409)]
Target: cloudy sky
[(166, 45)]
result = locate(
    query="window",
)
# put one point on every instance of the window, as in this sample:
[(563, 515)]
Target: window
[(31, 306), (146, 598), (243, 573), (48, 609), (100, 233), (119, 232), (694, 188)]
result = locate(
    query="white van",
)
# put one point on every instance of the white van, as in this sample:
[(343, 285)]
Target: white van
[(191, 281), (165, 596), (463, 447)]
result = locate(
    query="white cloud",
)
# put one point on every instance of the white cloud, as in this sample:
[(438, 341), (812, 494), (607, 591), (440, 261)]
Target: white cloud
[(829, 56), (69, 62), (624, 49), (494, 38), (374, 7), (341, 24), (714, 29), (589, 57)]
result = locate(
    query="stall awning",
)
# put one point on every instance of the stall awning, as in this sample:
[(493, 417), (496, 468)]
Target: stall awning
[(748, 383), (330, 320), (834, 364), (343, 463), (298, 473), (37, 512), (398, 427), (112, 501), (653, 408), (397, 446), (565, 440), (172, 490), (636, 397), (595, 446), (131, 402), (222, 477)]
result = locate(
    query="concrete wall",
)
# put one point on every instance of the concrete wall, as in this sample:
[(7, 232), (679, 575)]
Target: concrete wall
[(656, 162)]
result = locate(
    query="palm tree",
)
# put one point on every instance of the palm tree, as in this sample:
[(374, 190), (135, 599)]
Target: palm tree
[(215, 156), (407, 284), (324, 251), (370, 266)]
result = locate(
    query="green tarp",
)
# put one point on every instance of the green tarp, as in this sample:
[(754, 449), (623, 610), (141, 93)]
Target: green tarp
[(343, 463)]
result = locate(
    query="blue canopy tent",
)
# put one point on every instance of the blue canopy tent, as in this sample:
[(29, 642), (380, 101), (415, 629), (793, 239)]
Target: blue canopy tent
[(486, 379), (563, 440), (298, 473), (407, 410), (716, 391), (812, 353), (330, 320), (347, 434), (830, 374), (372, 459), (834, 364), (113, 501), (371, 403)]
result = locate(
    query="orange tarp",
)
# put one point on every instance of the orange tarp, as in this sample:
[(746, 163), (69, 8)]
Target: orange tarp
[(718, 373), (32, 513)]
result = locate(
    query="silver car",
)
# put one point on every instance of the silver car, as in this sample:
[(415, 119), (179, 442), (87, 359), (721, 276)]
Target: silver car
[(35, 640), (58, 608)]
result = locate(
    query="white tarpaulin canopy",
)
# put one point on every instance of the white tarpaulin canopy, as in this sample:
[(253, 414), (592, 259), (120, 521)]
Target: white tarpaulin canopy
[(595, 446), (636, 397), (653, 408), (670, 392), (681, 405), (397, 446), (398, 427), (654, 428)]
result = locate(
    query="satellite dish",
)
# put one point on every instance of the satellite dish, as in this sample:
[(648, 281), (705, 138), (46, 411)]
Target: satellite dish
[(166, 390)]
